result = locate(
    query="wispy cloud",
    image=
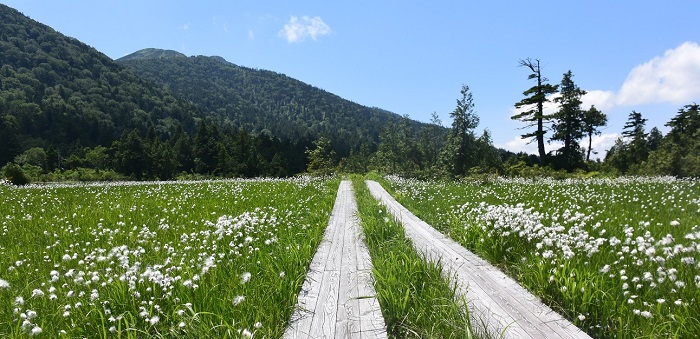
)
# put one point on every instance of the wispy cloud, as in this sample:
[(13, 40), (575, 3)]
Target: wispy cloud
[(297, 30), (671, 78), (186, 26), (251, 34)]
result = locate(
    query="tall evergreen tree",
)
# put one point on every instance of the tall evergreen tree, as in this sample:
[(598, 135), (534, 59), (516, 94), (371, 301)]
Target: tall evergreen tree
[(322, 159), (684, 142), (636, 138), (534, 102), (432, 140), (130, 155), (568, 125), (654, 139), (459, 153), (592, 119)]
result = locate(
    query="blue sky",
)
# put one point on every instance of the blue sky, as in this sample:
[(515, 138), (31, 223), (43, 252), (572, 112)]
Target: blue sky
[(412, 57)]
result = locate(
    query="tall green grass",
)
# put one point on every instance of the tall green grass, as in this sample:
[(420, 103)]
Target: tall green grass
[(619, 257), (148, 260), (416, 300)]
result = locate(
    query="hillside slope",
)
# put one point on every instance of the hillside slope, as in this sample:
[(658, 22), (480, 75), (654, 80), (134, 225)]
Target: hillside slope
[(262, 100), (56, 91)]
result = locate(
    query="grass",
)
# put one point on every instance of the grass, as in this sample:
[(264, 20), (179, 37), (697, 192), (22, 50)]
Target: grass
[(618, 257), (416, 300), (136, 260)]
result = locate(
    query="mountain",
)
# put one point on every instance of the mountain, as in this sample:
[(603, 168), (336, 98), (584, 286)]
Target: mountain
[(56, 91), (152, 53), (155, 113), (261, 100)]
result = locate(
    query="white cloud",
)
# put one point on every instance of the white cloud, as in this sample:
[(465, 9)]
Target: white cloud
[(251, 34), (186, 26), (601, 144), (518, 144), (298, 30), (671, 78), (602, 100)]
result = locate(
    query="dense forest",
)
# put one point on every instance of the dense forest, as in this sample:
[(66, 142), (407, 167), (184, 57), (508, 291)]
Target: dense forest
[(259, 100), (68, 112)]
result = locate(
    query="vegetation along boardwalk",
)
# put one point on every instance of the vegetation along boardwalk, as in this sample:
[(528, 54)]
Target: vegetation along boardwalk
[(337, 299), (495, 300)]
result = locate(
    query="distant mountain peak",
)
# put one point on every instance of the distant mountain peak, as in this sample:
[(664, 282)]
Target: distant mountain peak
[(152, 53)]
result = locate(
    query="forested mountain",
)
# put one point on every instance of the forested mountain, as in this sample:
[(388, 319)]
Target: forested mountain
[(260, 100), (57, 92)]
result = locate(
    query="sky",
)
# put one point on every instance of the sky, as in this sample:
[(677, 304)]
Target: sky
[(412, 57)]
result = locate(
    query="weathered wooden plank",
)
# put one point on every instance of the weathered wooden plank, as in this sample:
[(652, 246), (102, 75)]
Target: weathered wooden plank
[(337, 299), (347, 324), (494, 299)]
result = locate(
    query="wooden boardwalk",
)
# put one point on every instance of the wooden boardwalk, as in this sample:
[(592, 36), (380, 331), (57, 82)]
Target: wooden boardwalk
[(337, 299), (495, 300)]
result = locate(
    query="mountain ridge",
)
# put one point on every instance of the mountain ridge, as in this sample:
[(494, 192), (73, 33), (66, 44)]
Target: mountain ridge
[(260, 100), (152, 53)]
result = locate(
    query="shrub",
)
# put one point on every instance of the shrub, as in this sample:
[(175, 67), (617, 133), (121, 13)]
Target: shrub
[(14, 174)]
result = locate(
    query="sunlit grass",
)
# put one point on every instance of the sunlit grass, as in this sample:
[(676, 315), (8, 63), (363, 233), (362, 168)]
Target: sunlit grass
[(416, 300), (618, 257), (196, 259)]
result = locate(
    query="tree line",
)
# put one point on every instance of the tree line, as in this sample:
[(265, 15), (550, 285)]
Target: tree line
[(636, 152)]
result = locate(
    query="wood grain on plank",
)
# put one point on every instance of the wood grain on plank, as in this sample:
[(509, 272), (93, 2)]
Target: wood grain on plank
[(494, 299), (337, 299)]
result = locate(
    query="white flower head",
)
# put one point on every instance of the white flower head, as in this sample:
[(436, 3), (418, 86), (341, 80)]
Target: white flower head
[(245, 277), (36, 330), (4, 283), (238, 299)]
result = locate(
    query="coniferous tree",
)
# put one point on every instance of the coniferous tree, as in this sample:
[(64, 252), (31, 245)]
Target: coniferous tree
[(568, 124), (322, 159), (535, 99), (130, 155), (459, 154), (680, 150), (592, 120), (654, 139), (388, 153), (432, 140), (636, 143)]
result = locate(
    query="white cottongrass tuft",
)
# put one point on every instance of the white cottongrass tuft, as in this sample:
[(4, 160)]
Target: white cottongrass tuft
[(238, 299), (36, 330), (245, 277), (4, 284)]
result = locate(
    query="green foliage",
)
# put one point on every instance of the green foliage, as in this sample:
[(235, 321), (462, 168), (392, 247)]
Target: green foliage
[(416, 298), (14, 174), (592, 120), (569, 243), (569, 124), (55, 90), (35, 156), (136, 237), (322, 159), (256, 100), (536, 97), (463, 149), (679, 152)]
